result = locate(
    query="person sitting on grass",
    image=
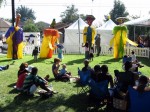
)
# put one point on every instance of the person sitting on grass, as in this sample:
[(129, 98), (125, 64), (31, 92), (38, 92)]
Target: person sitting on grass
[(32, 81), (56, 73), (63, 71), (4, 67), (86, 65), (22, 68), (22, 76)]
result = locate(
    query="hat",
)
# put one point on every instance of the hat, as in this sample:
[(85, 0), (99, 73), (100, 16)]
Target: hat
[(121, 18), (90, 17), (29, 68)]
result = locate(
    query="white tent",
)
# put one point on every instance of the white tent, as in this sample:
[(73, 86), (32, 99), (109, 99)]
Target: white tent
[(106, 32), (143, 21), (74, 37)]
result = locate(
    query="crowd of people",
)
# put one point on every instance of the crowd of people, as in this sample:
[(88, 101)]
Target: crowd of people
[(28, 81)]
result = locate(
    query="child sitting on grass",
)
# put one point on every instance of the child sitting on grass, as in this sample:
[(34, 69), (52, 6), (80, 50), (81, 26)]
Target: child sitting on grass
[(63, 71)]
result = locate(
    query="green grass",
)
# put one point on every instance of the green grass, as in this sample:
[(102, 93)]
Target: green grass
[(67, 100)]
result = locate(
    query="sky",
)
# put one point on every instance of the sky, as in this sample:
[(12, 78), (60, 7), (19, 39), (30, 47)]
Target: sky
[(46, 10)]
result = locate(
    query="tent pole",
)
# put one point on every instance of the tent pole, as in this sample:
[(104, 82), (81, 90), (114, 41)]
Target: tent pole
[(134, 33), (79, 33)]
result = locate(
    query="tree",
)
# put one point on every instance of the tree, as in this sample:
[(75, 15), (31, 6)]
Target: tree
[(1, 1), (26, 13), (41, 25), (70, 15), (30, 26), (119, 10)]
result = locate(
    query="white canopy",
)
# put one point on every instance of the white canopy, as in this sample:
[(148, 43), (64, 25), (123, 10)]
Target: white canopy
[(106, 32), (143, 21), (73, 36)]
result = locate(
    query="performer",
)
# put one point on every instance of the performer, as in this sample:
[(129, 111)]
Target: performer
[(89, 32), (14, 39), (51, 36), (120, 38)]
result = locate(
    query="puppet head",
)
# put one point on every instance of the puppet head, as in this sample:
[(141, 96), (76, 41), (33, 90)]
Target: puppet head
[(89, 19)]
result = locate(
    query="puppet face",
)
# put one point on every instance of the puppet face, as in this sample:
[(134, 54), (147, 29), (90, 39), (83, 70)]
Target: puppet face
[(89, 22)]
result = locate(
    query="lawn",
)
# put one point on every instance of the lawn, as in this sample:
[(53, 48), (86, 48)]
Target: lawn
[(67, 100)]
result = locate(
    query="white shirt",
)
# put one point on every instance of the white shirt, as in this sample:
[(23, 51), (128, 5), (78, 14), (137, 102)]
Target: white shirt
[(133, 57)]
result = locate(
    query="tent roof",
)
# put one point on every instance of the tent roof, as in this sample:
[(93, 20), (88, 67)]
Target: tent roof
[(75, 24), (109, 25), (143, 21)]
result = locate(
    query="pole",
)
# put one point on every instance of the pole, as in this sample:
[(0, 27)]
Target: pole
[(79, 32), (13, 12), (134, 33)]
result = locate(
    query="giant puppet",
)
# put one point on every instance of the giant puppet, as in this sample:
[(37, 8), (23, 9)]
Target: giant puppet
[(51, 36), (120, 38), (89, 32), (14, 39)]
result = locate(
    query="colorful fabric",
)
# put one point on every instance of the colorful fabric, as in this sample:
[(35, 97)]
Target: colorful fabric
[(119, 40), (48, 44), (20, 80), (30, 80), (89, 34), (60, 53), (14, 39)]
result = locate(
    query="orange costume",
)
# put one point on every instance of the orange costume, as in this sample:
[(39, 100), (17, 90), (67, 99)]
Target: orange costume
[(48, 44)]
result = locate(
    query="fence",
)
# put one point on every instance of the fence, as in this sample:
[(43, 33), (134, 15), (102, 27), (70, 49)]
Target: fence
[(140, 52)]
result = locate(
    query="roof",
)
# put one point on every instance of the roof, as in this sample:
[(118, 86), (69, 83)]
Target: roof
[(143, 21), (4, 24), (109, 25), (61, 25), (75, 24)]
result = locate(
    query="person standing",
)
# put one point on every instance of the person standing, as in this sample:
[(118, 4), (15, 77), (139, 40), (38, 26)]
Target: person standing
[(98, 44), (35, 53)]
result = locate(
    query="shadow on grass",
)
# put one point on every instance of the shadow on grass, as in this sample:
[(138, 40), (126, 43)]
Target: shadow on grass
[(58, 102), (144, 61), (12, 85), (110, 61), (14, 91), (39, 60), (6, 60), (77, 61)]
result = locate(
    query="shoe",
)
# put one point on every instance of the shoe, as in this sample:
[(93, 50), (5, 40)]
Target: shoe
[(7, 66), (141, 66)]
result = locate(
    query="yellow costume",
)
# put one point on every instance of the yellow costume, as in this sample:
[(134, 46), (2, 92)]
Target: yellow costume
[(119, 40), (92, 39), (14, 39), (48, 43)]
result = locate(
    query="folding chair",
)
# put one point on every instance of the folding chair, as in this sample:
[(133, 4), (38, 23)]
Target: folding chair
[(99, 90), (83, 82), (139, 102)]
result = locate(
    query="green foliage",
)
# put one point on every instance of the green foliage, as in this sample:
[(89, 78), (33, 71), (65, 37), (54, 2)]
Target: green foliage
[(119, 10), (70, 15), (41, 25), (26, 13), (67, 99), (1, 1), (30, 26)]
